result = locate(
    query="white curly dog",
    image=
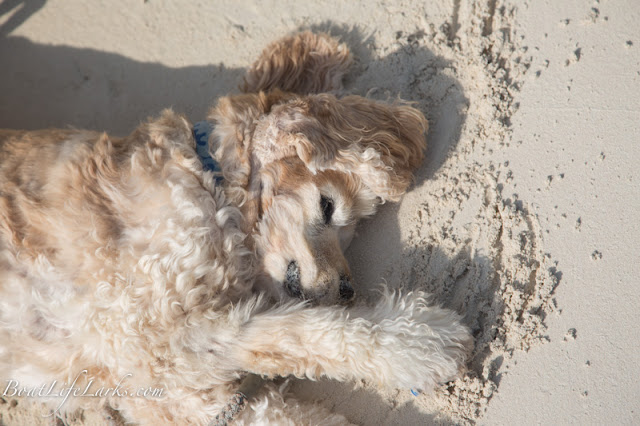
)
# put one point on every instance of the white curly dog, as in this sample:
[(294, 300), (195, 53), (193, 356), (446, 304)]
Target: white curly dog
[(186, 263)]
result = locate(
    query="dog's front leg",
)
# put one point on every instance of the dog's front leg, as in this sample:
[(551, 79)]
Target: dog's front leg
[(401, 342)]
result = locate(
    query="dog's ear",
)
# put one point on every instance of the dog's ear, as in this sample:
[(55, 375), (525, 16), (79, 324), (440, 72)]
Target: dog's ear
[(382, 144), (303, 63), (235, 119), (379, 144)]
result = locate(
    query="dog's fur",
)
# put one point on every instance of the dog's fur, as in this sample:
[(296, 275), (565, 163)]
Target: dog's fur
[(121, 255)]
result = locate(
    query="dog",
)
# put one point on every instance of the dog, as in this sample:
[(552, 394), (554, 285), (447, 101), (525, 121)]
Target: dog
[(164, 260)]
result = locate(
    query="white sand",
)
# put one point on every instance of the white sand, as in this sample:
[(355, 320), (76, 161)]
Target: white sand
[(524, 216)]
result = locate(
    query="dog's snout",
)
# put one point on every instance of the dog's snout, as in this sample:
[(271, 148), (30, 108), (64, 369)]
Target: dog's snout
[(292, 280), (346, 289), (322, 290)]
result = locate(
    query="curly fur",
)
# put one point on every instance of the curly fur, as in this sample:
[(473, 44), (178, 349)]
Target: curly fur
[(121, 255), (303, 63)]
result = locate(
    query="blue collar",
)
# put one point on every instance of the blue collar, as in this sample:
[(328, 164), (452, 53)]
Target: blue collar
[(201, 132)]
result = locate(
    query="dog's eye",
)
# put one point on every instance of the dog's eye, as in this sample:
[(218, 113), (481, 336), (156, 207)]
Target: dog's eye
[(326, 205)]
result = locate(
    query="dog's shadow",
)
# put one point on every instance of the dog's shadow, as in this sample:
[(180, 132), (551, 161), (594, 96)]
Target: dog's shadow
[(58, 86)]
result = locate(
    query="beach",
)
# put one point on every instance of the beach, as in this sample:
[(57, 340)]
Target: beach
[(523, 218)]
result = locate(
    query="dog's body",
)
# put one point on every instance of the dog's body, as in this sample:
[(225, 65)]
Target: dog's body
[(123, 256)]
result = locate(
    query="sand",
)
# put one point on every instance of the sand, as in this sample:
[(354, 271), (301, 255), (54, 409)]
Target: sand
[(522, 217)]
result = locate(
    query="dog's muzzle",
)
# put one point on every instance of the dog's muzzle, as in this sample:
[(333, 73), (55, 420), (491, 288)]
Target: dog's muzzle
[(294, 289)]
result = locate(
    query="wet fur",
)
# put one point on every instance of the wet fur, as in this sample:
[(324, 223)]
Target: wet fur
[(121, 255)]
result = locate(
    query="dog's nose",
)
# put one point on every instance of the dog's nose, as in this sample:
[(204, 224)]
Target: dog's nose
[(292, 280), (346, 290)]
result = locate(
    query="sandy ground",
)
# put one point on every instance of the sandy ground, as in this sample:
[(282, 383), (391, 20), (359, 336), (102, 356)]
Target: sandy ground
[(523, 218)]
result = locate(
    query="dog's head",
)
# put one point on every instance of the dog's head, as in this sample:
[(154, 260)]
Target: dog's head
[(305, 169)]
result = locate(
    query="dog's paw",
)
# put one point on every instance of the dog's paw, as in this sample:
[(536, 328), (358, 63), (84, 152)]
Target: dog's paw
[(426, 344)]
